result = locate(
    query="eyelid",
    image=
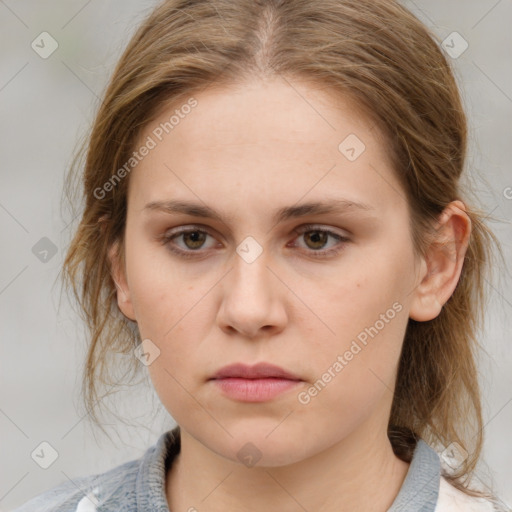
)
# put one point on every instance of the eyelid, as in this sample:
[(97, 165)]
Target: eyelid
[(324, 253), (166, 239), (298, 230), (321, 227)]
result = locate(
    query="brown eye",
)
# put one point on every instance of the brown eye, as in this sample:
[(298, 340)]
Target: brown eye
[(194, 239), (317, 239), (192, 242)]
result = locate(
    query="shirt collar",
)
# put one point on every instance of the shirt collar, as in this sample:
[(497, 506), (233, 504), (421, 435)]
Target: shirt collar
[(420, 489), (150, 485), (418, 493)]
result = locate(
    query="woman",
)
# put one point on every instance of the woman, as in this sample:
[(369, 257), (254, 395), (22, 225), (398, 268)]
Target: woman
[(273, 212)]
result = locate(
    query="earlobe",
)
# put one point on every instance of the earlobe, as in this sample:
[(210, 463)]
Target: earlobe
[(118, 276), (442, 265), (424, 305)]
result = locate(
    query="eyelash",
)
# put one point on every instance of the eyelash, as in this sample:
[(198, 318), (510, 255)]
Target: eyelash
[(167, 238)]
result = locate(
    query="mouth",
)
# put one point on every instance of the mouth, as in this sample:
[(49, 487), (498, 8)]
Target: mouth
[(258, 383), (257, 371)]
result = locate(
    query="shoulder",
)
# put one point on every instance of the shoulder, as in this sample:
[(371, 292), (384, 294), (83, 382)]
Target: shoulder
[(138, 483), (83, 494), (451, 499), (425, 488)]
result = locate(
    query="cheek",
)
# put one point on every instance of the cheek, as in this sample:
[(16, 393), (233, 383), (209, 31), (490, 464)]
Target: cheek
[(171, 307), (355, 295), (364, 317), (160, 295), (356, 372)]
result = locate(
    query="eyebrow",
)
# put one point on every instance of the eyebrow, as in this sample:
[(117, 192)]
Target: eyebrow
[(333, 206)]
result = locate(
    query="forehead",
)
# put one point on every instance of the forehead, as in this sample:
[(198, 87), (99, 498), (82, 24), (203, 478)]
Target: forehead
[(276, 111), (265, 137)]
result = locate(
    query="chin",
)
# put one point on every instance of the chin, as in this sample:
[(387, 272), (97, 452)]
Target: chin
[(267, 444)]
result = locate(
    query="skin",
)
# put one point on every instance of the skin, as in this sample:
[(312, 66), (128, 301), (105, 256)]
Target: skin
[(245, 151)]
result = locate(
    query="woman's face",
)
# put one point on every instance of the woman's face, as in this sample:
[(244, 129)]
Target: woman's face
[(298, 254)]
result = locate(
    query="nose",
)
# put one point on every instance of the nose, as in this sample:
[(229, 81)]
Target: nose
[(253, 299)]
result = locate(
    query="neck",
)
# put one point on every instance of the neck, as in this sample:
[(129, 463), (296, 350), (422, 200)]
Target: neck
[(359, 472)]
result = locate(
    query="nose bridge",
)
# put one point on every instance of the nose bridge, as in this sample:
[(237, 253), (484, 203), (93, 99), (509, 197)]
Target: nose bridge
[(250, 297), (251, 277)]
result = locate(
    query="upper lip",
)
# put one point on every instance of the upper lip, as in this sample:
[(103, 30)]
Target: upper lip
[(257, 371)]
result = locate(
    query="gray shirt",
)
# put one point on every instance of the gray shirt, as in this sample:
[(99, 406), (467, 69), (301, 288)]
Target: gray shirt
[(139, 485)]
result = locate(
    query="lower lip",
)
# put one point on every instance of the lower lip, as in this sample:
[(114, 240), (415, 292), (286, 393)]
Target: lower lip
[(254, 390)]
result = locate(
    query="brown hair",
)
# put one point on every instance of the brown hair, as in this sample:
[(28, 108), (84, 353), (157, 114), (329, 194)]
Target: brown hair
[(373, 52)]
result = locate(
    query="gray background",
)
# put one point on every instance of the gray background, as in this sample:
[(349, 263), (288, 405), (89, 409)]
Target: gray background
[(46, 105)]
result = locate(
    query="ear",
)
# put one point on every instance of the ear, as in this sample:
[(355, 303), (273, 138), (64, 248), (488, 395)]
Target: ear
[(442, 264), (119, 276)]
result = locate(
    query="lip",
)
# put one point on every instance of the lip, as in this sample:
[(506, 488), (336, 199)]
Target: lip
[(257, 383), (257, 371)]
